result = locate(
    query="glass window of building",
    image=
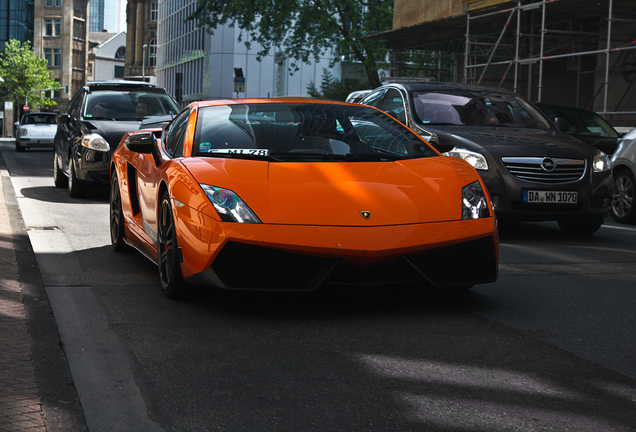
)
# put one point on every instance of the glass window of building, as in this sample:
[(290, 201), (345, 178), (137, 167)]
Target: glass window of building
[(52, 27), (53, 3), (154, 10), (152, 52), (53, 56)]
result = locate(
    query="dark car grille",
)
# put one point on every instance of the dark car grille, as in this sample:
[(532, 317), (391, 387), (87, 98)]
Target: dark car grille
[(545, 170), (457, 265)]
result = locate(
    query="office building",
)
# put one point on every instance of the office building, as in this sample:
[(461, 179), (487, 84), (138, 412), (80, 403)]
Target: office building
[(104, 15), (16, 21)]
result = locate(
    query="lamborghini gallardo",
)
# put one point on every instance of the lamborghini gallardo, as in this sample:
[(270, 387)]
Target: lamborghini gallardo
[(298, 195)]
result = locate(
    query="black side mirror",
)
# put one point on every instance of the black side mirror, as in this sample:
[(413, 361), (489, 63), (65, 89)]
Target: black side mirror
[(144, 143), (63, 119), (442, 143), (562, 124)]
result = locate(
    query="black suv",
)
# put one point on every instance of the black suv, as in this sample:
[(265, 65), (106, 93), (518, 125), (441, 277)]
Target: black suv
[(97, 118)]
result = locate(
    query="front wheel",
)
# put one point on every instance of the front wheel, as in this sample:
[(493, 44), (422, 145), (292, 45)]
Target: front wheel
[(168, 252), (18, 147), (75, 188), (623, 209), (579, 228), (116, 217)]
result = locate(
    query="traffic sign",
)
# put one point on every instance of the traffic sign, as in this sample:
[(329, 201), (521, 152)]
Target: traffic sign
[(26, 108)]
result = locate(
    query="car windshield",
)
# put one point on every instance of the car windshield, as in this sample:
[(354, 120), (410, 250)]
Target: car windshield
[(304, 132), (39, 119), (464, 108), (128, 105), (582, 122)]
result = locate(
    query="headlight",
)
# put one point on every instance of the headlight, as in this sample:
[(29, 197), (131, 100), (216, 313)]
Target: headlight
[(95, 142), (478, 161), (601, 162), (23, 131), (474, 205), (229, 206)]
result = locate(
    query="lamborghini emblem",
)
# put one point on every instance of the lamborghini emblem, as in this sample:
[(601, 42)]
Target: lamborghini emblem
[(366, 214)]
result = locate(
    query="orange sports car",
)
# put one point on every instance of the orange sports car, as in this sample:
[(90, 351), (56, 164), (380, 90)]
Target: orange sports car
[(298, 194)]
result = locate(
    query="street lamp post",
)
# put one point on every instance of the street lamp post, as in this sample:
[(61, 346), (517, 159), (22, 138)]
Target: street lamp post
[(143, 62)]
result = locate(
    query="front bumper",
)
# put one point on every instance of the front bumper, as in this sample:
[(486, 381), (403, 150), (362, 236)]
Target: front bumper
[(92, 166), (594, 197), (304, 258)]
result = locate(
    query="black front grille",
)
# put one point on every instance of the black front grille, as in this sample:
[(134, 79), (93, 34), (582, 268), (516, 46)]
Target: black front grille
[(545, 170), (241, 266)]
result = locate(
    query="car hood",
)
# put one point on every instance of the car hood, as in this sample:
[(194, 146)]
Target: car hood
[(335, 194), (516, 141), (112, 131)]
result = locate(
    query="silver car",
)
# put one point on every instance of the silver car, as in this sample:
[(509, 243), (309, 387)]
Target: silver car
[(624, 169), (35, 130)]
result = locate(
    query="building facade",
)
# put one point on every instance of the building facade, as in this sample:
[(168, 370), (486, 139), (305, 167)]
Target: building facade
[(195, 65), (104, 15), (106, 56), (60, 36), (141, 40), (16, 21)]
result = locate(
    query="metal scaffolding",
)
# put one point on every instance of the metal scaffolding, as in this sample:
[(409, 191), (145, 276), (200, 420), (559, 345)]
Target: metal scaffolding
[(475, 44)]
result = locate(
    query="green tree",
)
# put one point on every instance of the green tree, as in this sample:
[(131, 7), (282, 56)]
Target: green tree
[(307, 29), (334, 89), (22, 71)]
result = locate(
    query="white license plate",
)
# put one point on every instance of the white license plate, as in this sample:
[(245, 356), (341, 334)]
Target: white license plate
[(549, 197), (45, 142)]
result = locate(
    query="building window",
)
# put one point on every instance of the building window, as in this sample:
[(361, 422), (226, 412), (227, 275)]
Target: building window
[(53, 3), (53, 56), (120, 54), (152, 52), (154, 10), (52, 27), (78, 59), (79, 29)]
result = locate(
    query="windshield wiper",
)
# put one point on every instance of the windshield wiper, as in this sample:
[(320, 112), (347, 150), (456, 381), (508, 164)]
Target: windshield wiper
[(268, 158)]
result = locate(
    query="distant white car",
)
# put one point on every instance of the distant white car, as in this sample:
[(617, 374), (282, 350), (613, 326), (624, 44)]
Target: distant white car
[(357, 96), (624, 169), (36, 130)]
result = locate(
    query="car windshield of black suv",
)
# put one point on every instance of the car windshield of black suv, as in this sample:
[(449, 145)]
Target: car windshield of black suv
[(471, 109), (128, 105), (304, 132)]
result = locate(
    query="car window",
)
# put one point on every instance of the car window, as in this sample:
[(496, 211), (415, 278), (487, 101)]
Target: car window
[(175, 134), (465, 108), (128, 105), (393, 103), (75, 104), (373, 99), (582, 122), (39, 119), (304, 132)]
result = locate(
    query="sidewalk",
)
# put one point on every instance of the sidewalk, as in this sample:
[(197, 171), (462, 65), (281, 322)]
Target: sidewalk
[(36, 389)]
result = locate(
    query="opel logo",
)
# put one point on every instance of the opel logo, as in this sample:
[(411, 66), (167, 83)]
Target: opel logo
[(366, 214), (548, 164)]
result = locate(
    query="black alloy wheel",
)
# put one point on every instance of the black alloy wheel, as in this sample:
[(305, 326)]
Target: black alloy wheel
[(59, 178), (579, 228), (168, 252), (116, 217), (623, 209), (75, 188)]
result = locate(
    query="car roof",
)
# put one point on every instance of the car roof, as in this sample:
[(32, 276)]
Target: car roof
[(441, 87), (294, 100), (123, 85)]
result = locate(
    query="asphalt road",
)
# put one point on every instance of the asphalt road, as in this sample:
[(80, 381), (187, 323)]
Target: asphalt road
[(551, 346)]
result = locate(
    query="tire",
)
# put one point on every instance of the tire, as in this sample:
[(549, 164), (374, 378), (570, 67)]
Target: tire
[(59, 178), (75, 188), (18, 147), (579, 228), (623, 209), (116, 217), (168, 252)]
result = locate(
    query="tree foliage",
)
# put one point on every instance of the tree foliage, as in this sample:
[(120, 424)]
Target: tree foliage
[(22, 71), (306, 29), (334, 89)]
